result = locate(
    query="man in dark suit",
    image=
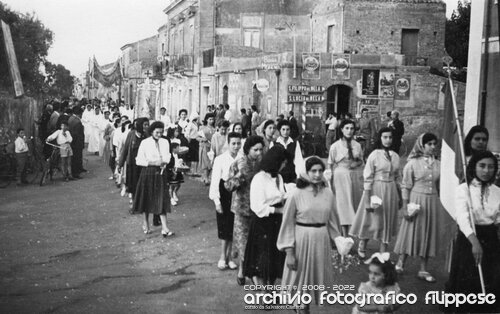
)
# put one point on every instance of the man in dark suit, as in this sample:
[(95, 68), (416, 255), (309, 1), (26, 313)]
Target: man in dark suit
[(398, 131), (76, 130), (294, 126), (246, 122)]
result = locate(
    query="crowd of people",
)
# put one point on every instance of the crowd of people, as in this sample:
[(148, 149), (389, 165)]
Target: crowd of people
[(278, 209)]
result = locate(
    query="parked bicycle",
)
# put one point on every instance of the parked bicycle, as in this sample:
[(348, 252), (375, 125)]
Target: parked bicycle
[(52, 165)]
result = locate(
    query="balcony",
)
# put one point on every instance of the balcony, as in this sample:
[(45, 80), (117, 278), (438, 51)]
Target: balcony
[(181, 63)]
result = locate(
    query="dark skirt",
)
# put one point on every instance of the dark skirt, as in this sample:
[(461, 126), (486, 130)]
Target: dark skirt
[(225, 221), (464, 275), (288, 173), (152, 195), (194, 151), (262, 257), (132, 177), (175, 177)]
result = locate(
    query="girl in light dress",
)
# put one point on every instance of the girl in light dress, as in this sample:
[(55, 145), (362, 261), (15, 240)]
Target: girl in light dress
[(381, 174), (382, 279)]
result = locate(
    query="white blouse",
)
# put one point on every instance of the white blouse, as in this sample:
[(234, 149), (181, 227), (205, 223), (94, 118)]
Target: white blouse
[(264, 192), (486, 212), (60, 137), (151, 151), (220, 171)]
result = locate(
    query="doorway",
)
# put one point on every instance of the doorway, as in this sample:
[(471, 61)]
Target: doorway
[(338, 99)]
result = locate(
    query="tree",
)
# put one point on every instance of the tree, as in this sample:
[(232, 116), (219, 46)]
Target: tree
[(32, 41), (457, 34), (59, 81)]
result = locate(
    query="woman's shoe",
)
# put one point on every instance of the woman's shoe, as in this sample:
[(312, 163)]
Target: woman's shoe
[(232, 265), (146, 230), (174, 197), (173, 202), (167, 234), (222, 264), (240, 280)]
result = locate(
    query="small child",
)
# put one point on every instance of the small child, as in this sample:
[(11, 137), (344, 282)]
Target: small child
[(21, 150), (382, 279), (176, 178), (64, 139)]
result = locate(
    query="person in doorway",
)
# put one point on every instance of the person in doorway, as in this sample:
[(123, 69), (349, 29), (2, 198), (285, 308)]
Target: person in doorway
[(331, 133)]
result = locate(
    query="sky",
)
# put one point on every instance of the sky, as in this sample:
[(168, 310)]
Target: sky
[(83, 28)]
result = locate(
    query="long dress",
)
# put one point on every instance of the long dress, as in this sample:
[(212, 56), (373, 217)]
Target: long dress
[(348, 183), (464, 275), (245, 169), (380, 174), (86, 120), (129, 152), (108, 146), (419, 237), (262, 257), (310, 224), (94, 138), (205, 163)]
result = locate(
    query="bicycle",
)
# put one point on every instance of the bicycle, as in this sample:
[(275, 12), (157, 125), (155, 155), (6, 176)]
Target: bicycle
[(36, 162), (7, 166), (52, 164)]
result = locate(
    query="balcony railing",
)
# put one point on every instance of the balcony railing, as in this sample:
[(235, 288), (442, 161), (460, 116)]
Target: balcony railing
[(181, 63)]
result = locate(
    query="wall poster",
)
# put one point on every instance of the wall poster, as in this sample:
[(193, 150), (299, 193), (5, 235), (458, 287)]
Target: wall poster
[(370, 104), (386, 86), (311, 65), (341, 67), (370, 82), (402, 87)]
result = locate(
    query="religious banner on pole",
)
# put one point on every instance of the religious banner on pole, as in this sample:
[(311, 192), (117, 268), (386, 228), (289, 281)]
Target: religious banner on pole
[(370, 82), (12, 60), (107, 77), (311, 65), (402, 87), (341, 67)]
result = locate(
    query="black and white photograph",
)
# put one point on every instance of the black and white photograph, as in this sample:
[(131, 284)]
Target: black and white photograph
[(249, 156)]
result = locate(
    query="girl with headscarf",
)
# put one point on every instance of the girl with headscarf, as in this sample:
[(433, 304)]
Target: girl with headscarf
[(263, 262), (244, 169), (130, 149), (310, 224), (418, 234), (480, 198), (346, 160), (381, 175)]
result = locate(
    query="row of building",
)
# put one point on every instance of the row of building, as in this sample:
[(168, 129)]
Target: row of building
[(313, 57)]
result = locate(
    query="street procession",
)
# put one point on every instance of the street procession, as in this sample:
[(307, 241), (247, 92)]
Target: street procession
[(237, 156)]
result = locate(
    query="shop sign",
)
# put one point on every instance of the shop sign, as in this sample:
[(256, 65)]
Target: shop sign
[(305, 98), (305, 88), (262, 85), (341, 69), (271, 62)]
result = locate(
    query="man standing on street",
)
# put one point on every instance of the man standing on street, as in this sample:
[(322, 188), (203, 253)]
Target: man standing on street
[(228, 115), (52, 127), (331, 134), (398, 131), (366, 134), (246, 122), (165, 118), (76, 130), (294, 126)]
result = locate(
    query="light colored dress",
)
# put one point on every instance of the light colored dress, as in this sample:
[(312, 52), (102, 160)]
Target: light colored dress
[(420, 236), (348, 182), (380, 174), (312, 243), (369, 288), (208, 132)]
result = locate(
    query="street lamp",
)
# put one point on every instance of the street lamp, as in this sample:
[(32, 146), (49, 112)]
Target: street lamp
[(292, 27)]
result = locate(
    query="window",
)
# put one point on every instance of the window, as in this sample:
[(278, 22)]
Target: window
[(251, 26), (331, 38), (251, 38)]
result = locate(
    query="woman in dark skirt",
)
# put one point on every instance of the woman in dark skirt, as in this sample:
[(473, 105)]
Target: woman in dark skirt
[(129, 152), (483, 245), (222, 199), (263, 262), (152, 196)]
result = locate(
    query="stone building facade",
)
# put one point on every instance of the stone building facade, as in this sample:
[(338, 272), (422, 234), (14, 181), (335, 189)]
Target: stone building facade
[(349, 54)]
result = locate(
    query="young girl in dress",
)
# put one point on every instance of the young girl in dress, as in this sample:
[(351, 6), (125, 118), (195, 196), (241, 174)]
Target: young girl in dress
[(382, 279), (381, 174), (176, 178), (418, 234)]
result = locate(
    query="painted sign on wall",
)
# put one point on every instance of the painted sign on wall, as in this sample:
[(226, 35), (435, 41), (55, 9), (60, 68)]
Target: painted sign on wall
[(311, 65), (402, 87), (341, 67)]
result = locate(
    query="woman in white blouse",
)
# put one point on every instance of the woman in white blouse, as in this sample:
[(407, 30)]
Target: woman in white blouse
[(263, 261), (481, 246), (151, 195)]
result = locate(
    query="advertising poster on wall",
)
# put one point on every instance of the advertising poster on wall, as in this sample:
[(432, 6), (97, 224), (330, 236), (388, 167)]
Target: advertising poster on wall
[(341, 67), (370, 104), (370, 82), (402, 87), (386, 86), (311, 66)]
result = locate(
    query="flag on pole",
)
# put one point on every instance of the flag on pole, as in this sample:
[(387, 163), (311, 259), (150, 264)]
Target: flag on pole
[(451, 161)]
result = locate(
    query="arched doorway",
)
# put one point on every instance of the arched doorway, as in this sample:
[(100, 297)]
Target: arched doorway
[(338, 99), (225, 94)]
